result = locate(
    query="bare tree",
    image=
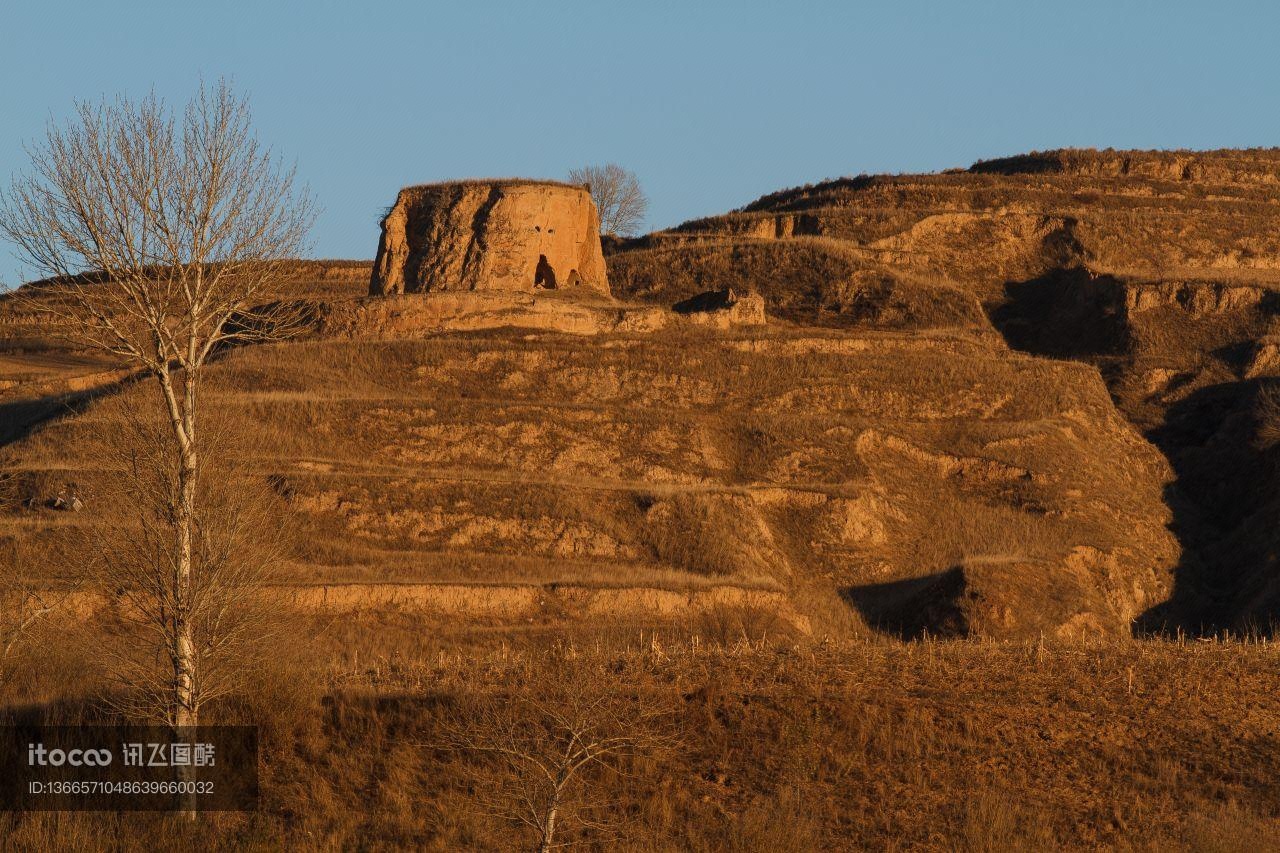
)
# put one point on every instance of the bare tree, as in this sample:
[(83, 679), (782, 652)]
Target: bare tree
[(543, 750), (618, 197), (158, 232)]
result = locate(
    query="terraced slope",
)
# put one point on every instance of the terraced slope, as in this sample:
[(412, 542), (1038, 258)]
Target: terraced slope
[(909, 482), (1160, 215)]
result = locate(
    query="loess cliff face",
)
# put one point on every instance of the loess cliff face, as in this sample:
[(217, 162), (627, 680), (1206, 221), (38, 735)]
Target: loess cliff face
[(499, 235), (1161, 269)]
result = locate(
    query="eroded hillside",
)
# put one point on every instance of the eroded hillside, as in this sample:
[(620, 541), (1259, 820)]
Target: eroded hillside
[(910, 482), (1159, 268), (939, 429)]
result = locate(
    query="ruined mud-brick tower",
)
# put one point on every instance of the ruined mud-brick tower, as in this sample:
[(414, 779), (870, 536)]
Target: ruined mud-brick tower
[(490, 235)]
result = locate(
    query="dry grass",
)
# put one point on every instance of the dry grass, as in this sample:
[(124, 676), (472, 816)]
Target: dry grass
[(804, 280), (934, 746)]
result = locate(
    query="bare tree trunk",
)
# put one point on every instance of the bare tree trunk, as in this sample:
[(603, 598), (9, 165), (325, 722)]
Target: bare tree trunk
[(549, 824), (182, 420), (186, 710)]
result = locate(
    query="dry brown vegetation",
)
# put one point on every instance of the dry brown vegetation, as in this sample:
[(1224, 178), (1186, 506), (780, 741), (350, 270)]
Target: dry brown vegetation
[(1156, 267), (809, 280), (1154, 745)]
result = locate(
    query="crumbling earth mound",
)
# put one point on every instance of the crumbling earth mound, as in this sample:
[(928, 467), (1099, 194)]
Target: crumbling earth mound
[(495, 235)]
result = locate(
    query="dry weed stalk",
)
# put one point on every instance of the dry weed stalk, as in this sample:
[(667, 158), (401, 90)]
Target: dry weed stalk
[(22, 607)]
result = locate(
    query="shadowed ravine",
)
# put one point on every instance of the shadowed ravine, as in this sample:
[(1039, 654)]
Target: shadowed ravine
[(1224, 475)]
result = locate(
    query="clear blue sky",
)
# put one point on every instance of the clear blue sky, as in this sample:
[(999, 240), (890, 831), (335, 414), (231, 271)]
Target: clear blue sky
[(710, 103)]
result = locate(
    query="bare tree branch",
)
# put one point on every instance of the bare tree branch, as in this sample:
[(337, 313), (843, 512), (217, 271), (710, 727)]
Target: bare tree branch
[(25, 602), (237, 540)]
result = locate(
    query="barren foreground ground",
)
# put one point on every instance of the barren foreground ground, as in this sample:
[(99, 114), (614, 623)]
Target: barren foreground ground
[(766, 745)]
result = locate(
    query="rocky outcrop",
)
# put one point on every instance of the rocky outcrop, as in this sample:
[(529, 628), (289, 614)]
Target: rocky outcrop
[(1196, 298), (406, 317), (723, 308), (515, 236)]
